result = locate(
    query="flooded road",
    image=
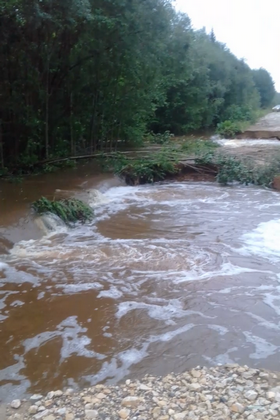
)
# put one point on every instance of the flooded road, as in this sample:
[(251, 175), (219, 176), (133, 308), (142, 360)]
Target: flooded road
[(167, 277)]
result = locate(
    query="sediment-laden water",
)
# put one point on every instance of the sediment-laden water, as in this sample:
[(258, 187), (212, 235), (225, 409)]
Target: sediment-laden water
[(167, 277)]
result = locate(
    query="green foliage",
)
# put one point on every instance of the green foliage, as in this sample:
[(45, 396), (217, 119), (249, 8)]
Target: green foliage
[(69, 210), (237, 113), (265, 86), (206, 84), (146, 170), (114, 162), (276, 99), (228, 129), (198, 147), (49, 167), (232, 169), (80, 76), (159, 138)]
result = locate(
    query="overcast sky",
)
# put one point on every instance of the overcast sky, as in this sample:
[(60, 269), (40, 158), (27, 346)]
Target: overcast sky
[(250, 28)]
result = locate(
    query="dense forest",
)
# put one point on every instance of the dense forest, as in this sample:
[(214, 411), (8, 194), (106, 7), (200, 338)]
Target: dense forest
[(84, 75)]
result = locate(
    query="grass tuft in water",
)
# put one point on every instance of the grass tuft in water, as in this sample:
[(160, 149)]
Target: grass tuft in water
[(69, 210)]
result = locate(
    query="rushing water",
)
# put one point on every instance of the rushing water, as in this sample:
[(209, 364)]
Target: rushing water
[(168, 276)]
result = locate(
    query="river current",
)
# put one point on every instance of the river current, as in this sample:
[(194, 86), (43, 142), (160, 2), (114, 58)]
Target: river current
[(167, 277)]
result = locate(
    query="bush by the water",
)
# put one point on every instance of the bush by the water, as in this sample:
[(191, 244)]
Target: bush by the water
[(147, 169), (244, 171), (194, 155), (228, 129), (69, 210), (160, 138)]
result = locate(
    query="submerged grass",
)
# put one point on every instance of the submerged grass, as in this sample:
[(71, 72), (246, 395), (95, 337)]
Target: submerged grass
[(69, 210)]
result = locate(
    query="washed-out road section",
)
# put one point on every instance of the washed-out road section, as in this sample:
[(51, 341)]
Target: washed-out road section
[(266, 128)]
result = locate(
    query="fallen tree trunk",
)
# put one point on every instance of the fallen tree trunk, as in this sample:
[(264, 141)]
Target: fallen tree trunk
[(102, 155)]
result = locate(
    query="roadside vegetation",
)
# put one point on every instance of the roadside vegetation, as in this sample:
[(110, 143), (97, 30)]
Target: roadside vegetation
[(189, 156), (230, 169), (83, 77)]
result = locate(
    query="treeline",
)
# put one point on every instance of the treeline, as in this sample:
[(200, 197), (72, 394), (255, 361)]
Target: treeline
[(84, 75)]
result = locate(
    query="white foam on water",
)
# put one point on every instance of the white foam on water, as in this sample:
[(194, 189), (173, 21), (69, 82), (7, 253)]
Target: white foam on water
[(97, 198), (264, 322), (170, 335), (69, 288), (74, 341), (222, 359), (119, 366), (173, 309), (218, 328), (263, 241), (234, 143), (273, 301), (13, 275), (50, 223), (17, 303), (263, 348), (41, 295), (3, 266), (226, 269), (112, 293), (13, 381)]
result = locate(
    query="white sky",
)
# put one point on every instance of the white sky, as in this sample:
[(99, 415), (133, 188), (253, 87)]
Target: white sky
[(250, 28)]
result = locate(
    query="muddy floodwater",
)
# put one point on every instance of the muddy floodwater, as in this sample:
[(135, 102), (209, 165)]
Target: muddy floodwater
[(167, 277)]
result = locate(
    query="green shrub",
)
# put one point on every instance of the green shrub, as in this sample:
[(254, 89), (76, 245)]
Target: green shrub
[(144, 170), (160, 138), (228, 129), (238, 113), (231, 169)]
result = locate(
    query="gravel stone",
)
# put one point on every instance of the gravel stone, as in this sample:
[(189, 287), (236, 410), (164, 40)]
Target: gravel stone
[(228, 392), (181, 416), (237, 408), (33, 409), (16, 404), (131, 401), (58, 393), (36, 397), (251, 395), (41, 415), (124, 413), (91, 414)]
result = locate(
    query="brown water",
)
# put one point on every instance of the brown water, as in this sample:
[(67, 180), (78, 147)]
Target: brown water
[(167, 277)]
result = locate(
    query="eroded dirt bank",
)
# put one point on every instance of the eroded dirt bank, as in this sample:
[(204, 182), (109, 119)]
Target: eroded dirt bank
[(266, 128)]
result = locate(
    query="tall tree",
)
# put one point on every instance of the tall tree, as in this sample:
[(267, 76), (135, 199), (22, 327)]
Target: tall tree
[(85, 75), (265, 85)]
